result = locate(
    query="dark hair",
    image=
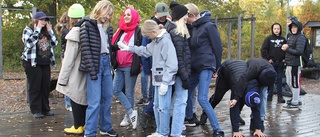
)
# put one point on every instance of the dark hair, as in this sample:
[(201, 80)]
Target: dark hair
[(293, 18), (43, 30)]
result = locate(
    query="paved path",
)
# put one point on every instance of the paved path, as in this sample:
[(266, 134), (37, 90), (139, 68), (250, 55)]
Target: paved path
[(278, 123)]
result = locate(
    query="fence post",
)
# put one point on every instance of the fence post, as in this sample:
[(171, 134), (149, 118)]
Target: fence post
[(1, 57), (239, 37), (229, 40), (252, 35)]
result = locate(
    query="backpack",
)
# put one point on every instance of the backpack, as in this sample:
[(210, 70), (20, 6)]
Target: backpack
[(307, 57)]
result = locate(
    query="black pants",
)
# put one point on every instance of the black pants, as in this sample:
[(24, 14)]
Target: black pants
[(38, 87), (79, 114)]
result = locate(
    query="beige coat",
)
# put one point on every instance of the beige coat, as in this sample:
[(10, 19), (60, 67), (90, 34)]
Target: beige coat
[(70, 76)]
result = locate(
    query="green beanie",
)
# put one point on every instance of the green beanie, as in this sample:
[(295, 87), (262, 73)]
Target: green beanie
[(76, 11)]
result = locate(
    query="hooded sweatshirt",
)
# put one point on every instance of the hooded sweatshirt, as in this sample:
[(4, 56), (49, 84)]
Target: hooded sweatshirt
[(296, 44), (271, 47)]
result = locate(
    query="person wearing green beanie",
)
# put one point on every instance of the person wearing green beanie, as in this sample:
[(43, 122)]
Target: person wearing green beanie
[(71, 82)]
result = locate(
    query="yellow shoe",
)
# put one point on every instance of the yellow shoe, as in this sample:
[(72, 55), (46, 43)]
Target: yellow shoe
[(72, 130)]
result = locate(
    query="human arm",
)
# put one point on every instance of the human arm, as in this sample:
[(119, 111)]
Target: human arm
[(299, 46), (265, 49), (54, 40), (215, 42)]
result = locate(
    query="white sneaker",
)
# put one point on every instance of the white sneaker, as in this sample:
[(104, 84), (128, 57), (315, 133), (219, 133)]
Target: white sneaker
[(133, 119), (155, 134), (69, 108), (125, 121)]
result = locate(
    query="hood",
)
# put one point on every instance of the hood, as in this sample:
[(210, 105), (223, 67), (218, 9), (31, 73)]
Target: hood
[(205, 17), (297, 23), (280, 29), (170, 26), (74, 34)]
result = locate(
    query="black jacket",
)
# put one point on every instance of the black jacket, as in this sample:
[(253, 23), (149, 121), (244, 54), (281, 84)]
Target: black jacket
[(90, 43), (182, 49), (296, 44), (136, 60), (254, 67), (205, 45), (271, 47)]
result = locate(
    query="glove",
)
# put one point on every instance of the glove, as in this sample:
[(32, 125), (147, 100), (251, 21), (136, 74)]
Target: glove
[(163, 89), (122, 46), (185, 84)]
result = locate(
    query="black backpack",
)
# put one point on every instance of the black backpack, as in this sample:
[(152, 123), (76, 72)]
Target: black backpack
[(307, 57)]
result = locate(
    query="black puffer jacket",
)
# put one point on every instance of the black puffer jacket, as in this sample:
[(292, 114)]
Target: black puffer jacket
[(136, 60), (182, 49), (90, 43), (296, 44)]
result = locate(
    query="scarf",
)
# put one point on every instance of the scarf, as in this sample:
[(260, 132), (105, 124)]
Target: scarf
[(128, 28)]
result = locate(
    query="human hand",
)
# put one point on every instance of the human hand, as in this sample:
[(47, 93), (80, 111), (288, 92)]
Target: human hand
[(49, 26), (258, 133), (215, 75), (185, 84), (238, 134), (284, 47), (163, 89), (122, 46), (233, 102)]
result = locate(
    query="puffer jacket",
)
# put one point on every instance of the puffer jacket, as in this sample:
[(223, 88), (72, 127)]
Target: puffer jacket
[(182, 49), (90, 43), (296, 44)]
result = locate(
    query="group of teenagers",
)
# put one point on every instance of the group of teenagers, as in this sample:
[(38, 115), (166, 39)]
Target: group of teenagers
[(184, 51)]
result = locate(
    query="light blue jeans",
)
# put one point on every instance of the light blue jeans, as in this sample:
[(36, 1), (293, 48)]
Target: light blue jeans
[(99, 96), (263, 102), (202, 80), (122, 78), (162, 110), (144, 84), (180, 96), (68, 102)]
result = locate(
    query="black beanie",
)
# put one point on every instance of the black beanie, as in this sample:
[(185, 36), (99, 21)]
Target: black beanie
[(267, 76), (177, 10)]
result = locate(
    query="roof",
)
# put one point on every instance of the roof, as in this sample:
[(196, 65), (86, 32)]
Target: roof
[(312, 24)]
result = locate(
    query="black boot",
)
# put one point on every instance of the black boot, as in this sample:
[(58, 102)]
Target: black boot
[(203, 118), (269, 97), (281, 99)]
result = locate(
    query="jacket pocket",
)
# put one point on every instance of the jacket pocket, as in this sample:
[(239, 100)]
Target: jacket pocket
[(158, 74)]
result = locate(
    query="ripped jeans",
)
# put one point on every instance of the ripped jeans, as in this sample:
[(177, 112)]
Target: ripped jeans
[(162, 110)]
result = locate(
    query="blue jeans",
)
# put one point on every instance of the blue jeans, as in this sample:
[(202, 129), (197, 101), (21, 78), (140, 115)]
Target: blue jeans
[(144, 84), (99, 96), (180, 96), (122, 75), (202, 80), (263, 102), (67, 100), (162, 110)]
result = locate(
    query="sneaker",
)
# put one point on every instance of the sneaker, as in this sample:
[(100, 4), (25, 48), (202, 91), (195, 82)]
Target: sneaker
[(110, 133), (192, 122), (218, 134), (125, 122), (155, 134), (289, 102), (143, 102), (38, 115), (72, 130), (291, 107), (49, 113), (69, 108), (133, 119)]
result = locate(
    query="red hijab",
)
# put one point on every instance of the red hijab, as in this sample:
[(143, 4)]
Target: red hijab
[(128, 28)]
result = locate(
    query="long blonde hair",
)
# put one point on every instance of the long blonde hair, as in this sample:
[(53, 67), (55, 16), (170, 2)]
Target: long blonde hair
[(102, 6), (150, 26), (182, 29), (193, 9), (63, 23)]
